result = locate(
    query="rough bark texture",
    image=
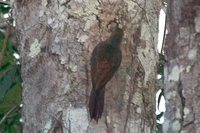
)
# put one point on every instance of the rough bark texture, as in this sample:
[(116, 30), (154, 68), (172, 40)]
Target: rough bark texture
[(182, 70), (56, 38)]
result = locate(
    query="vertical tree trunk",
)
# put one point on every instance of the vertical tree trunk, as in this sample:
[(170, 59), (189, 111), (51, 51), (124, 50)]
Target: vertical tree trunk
[(56, 40), (182, 70)]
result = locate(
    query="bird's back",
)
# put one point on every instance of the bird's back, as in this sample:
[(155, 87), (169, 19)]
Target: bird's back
[(104, 63)]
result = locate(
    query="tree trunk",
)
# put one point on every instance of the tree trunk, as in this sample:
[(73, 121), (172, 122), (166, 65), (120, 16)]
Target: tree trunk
[(56, 38), (182, 70)]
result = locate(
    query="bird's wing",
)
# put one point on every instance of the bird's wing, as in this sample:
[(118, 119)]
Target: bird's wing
[(101, 72)]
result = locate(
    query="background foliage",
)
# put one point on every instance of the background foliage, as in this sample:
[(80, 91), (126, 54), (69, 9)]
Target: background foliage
[(10, 80)]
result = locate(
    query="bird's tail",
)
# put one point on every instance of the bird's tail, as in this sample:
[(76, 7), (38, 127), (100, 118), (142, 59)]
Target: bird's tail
[(96, 103)]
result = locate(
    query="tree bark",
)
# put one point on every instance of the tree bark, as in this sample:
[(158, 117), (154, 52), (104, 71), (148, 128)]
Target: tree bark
[(56, 38), (182, 73)]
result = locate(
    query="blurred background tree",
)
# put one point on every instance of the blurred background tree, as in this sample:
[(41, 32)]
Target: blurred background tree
[(10, 80)]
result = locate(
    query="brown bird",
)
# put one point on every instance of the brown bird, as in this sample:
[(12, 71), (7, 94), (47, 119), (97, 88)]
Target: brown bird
[(105, 60)]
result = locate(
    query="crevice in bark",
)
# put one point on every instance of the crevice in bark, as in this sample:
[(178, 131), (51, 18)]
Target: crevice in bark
[(69, 128), (58, 126), (128, 111), (99, 1), (107, 126), (99, 21), (57, 123), (65, 3), (143, 121), (87, 83), (129, 103), (182, 98), (189, 123), (48, 3)]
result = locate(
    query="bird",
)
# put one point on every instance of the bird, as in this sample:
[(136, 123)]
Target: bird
[(105, 61)]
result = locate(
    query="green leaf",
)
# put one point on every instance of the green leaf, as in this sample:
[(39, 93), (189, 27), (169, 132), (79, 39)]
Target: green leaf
[(6, 82), (10, 48), (159, 128), (8, 58), (1, 43), (12, 97), (4, 8), (5, 66), (2, 3), (12, 123), (2, 35)]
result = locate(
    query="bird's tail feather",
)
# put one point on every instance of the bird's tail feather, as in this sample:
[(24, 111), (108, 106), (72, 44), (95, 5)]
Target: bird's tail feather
[(96, 103)]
